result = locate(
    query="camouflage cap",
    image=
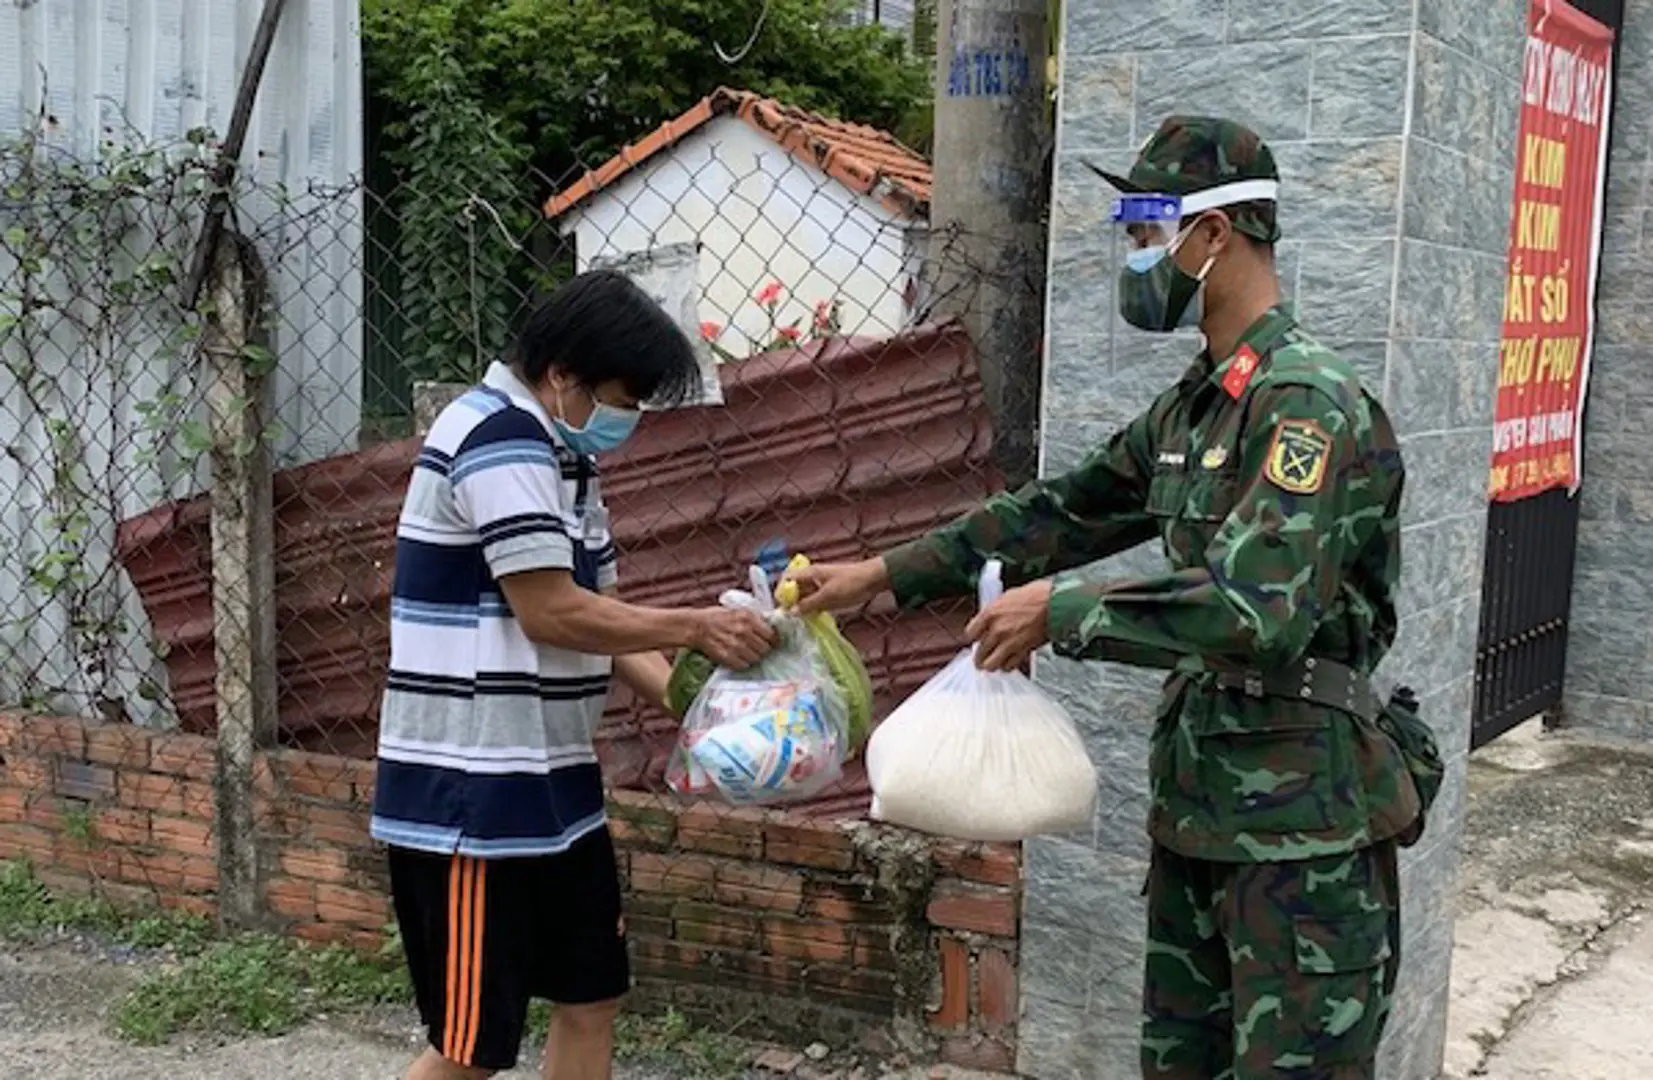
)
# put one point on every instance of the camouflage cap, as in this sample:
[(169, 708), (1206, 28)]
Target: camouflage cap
[(1196, 153)]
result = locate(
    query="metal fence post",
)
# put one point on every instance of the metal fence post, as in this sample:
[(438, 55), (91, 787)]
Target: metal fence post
[(243, 568)]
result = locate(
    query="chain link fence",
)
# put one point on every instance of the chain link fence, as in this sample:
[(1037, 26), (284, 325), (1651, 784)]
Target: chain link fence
[(198, 506)]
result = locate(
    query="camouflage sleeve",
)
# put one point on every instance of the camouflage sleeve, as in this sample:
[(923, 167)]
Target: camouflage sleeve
[(1268, 574), (1087, 514)]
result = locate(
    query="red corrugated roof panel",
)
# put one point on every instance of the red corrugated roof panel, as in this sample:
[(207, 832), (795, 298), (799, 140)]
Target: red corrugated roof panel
[(837, 449)]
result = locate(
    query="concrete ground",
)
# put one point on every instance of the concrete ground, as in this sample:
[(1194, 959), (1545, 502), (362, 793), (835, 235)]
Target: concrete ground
[(1552, 972)]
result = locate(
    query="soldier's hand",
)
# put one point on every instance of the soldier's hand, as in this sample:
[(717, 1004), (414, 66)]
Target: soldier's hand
[(838, 586), (1012, 628), (731, 638)]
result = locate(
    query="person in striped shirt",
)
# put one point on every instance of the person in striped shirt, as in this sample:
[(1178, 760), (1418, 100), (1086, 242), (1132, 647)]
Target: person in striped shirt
[(505, 629)]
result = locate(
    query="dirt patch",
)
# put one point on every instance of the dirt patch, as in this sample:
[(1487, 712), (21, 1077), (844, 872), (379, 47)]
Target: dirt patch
[(56, 998), (1586, 808), (54, 1025)]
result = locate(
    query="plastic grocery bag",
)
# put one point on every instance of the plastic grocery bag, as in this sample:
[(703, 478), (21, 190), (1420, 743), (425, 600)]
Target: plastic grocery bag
[(779, 731), (978, 755), (692, 670)]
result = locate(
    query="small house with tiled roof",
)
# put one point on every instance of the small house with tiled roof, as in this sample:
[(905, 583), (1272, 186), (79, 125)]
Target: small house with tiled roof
[(833, 212)]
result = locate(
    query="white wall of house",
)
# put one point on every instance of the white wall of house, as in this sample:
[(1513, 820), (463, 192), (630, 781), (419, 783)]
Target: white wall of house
[(759, 215)]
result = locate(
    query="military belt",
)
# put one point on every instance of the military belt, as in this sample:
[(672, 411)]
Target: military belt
[(1312, 679)]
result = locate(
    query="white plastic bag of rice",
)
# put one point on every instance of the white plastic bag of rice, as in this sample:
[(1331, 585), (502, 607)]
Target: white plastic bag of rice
[(977, 755)]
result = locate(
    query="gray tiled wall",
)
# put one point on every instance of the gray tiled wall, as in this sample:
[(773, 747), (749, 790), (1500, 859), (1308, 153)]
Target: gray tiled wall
[(1610, 648), (1393, 125)]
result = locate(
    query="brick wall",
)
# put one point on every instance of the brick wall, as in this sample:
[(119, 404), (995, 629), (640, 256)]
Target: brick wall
[(795, 927)]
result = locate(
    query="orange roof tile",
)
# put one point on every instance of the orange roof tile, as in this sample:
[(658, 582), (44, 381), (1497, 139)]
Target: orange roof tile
[(862, 158)]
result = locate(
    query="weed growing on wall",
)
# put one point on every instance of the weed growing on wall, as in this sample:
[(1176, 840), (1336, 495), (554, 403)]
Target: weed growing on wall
[(101, 404)]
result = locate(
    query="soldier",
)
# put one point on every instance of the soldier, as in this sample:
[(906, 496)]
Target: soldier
[(1274, 480)]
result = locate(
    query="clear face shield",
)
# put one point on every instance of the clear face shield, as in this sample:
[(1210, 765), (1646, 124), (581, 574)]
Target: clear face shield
[(1154, 293), (1144, 227)]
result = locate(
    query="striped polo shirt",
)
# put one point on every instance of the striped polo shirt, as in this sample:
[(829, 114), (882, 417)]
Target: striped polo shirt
[(485, 736)]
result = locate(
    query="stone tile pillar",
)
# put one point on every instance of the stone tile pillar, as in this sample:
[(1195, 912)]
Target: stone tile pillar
[(1393, 124), (1610, 646)]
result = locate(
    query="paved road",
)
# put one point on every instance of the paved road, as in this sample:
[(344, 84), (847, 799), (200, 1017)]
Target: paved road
[(1552, 965), (1594, 1026)]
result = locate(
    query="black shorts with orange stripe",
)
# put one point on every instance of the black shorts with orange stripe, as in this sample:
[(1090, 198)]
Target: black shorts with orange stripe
[(485, 936)]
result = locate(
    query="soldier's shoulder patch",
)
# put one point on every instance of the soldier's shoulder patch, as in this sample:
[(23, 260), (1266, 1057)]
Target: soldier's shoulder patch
[(1297, 457)]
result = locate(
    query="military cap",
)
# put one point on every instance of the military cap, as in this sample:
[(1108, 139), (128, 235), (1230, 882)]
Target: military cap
[(1190, 154)]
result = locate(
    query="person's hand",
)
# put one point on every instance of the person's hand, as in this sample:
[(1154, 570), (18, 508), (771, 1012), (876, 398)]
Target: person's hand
[(1012, 628), (838, 586), (731, 638)]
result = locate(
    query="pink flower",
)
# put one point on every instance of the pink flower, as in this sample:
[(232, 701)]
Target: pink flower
[(769, 295), (710, 331), (791, 334), (824, 316)]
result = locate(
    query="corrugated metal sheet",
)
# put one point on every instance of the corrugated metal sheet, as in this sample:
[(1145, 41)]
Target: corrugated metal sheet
[(163, 67), (836, 450), (149, 71), (156, 69)]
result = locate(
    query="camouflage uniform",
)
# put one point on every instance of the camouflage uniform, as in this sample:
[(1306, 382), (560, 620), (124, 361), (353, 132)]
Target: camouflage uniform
[(1276, 800)]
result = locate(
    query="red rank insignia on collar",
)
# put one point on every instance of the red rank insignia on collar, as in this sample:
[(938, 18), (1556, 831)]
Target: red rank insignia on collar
[(1240, 369)]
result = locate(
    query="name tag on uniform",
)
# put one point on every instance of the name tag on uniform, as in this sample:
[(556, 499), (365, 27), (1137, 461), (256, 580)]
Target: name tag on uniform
[(1167, 457)]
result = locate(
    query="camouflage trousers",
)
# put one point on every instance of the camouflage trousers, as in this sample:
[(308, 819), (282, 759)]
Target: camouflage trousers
[(1279, 970)]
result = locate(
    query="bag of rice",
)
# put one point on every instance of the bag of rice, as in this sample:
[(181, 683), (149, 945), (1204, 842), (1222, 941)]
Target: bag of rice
[(977, 755)]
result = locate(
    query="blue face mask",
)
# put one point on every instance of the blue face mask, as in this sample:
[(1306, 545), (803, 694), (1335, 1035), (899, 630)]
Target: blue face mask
[(1155, 294), (606, 428)]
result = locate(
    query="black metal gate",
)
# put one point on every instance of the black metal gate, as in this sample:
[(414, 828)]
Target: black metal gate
[(1527, 586), (1526, 592)]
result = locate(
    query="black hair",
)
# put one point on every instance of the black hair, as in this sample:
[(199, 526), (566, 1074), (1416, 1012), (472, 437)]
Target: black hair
[(601, 326)]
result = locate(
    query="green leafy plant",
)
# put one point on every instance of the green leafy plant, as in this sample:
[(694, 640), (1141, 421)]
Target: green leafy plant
[(669, 1043), (249, 984), (254, 985), (29, 909), (459, 219), (79, 826), (258, 984), (98, 349), (573, 81)]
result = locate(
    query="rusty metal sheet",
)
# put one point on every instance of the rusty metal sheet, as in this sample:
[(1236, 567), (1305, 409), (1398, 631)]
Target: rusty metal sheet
[(837, 449)]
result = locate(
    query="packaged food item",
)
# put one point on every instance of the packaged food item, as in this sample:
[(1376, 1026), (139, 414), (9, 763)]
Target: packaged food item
[(977, 755), (782, 729)]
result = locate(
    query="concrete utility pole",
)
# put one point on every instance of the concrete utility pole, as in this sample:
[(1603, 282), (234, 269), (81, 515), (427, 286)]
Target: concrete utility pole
[(988, 211)]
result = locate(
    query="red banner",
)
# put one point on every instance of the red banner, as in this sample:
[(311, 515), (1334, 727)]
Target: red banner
[(1555, 244)]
